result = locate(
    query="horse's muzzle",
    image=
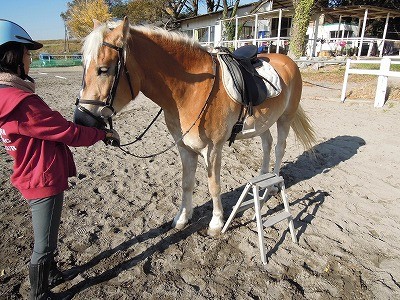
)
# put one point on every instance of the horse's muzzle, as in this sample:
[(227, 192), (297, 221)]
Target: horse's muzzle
[(81, 117)]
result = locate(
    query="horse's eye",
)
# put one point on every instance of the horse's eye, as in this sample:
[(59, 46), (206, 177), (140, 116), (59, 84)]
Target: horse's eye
[(102, 71)]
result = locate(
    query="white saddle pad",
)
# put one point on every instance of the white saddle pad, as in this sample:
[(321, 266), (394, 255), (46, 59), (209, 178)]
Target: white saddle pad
[(272, 82)]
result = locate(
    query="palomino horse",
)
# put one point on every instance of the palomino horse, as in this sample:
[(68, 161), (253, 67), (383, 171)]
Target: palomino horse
[(184, 80)]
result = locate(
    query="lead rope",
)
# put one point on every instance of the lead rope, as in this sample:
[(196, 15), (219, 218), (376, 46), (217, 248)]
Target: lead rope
[(144, 132), (183, 135)]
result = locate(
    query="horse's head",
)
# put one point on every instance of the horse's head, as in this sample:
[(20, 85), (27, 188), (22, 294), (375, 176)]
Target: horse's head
[(106, 84)]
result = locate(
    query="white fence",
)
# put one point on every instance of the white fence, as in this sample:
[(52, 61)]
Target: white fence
[(383, 73)]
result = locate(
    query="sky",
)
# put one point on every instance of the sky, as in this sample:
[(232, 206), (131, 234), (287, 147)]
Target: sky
[(40, 18)]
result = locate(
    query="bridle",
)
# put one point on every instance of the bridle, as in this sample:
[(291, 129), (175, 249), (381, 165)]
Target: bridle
[(107, 109)]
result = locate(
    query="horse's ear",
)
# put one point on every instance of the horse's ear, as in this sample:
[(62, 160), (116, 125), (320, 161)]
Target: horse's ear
[(96, 23), (123, 31)]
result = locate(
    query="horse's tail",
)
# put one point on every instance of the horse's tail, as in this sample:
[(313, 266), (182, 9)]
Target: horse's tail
[(303, 129)]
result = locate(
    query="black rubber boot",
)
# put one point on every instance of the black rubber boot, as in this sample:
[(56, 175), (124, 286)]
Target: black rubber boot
[(56, 277), (38, 277)]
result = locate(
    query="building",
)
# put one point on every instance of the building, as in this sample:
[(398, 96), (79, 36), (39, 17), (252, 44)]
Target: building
[(268, 26)]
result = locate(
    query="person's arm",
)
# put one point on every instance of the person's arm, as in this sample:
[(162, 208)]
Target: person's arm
[(39, 121)]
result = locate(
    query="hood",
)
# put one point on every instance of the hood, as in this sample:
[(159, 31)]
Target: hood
[(10, 97)]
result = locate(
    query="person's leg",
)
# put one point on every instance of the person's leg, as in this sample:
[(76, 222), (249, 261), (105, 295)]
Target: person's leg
[(46, 215)]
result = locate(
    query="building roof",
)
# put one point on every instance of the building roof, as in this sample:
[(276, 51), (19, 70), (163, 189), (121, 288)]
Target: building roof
[(354, 11), (218, 12), (277, 4), (358, 11)]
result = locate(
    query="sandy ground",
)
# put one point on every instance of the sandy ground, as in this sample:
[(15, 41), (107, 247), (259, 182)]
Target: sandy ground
[(115, 236)]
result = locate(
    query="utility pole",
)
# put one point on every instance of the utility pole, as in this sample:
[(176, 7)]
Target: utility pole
[(66, 37)]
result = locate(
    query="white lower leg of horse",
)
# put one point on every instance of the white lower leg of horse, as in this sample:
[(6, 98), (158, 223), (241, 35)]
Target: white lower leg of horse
[(283, 131), (189, 164), (214, 186), (266, 141)]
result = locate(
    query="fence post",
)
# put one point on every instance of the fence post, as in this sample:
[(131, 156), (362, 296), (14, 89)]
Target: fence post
[(382, 82), (346, 76)]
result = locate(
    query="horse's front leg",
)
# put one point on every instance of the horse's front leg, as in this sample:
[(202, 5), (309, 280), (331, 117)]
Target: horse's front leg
[(213, 161), (189, 165)]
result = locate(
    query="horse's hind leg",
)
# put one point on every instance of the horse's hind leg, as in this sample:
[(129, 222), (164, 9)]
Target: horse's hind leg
[(189, 165), (266, 142), (283, 127)]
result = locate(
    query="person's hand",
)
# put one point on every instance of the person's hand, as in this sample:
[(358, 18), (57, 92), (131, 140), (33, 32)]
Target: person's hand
[(112, 138)]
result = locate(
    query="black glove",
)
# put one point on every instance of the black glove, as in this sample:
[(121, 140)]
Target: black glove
[(112, 138)]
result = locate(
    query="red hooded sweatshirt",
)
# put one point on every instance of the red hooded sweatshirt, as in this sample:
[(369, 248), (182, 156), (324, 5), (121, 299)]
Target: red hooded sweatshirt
[(37, 138)]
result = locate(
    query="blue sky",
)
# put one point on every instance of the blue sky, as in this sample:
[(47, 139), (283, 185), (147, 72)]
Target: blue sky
[(40, 18)]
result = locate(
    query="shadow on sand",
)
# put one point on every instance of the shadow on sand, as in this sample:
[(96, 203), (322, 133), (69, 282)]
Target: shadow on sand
[(305, 167)]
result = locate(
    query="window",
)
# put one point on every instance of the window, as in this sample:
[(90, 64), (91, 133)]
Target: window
[(286, 24), (247, 32), (189, 33), (201, 34), (338, 34)]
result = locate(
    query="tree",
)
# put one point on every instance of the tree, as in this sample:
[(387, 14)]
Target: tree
[(162, 12), (230, 10), (117, 8), (212, 5), (159, 12), (144, 11), (80, 14), (301, 21)]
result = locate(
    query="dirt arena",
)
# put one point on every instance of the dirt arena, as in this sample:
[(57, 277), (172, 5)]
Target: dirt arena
[(115, 236)]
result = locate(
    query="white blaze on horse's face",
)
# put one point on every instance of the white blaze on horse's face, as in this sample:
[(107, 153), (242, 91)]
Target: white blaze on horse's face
[(100, 75)]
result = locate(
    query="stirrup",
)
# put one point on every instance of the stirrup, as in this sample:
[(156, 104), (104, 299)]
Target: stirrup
[(248, 129)]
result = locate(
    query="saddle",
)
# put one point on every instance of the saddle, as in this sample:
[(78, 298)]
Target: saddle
[(247, 80)]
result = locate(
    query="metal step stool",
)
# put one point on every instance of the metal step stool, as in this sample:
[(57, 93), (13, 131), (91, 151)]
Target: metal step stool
[(254, 186)]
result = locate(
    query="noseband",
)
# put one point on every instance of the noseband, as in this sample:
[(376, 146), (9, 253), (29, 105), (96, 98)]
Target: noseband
[(107, 109)]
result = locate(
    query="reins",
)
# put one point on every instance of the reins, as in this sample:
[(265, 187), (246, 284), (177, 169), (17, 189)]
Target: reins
[(184, 134), (144, 132)]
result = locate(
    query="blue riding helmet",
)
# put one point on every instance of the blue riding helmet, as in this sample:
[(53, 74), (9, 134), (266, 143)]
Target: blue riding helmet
[(11, 32)]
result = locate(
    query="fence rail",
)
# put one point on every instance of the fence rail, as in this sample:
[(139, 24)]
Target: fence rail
[(383, 73), (57, 60)]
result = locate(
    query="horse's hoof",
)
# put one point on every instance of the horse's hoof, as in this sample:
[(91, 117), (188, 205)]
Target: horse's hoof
[(179, 225), (213, 232)]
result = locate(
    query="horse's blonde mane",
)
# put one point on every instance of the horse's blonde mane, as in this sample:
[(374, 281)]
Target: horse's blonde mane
[(94, 40), (175, 36)]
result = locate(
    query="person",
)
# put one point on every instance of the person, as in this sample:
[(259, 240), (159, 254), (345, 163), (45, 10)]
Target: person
[(38, 138), (263, 48)]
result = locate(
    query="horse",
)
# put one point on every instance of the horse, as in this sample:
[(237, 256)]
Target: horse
[(183, 78)]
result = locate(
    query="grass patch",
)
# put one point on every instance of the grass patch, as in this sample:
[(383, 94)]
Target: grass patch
[(58, 47), (375, 66)]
